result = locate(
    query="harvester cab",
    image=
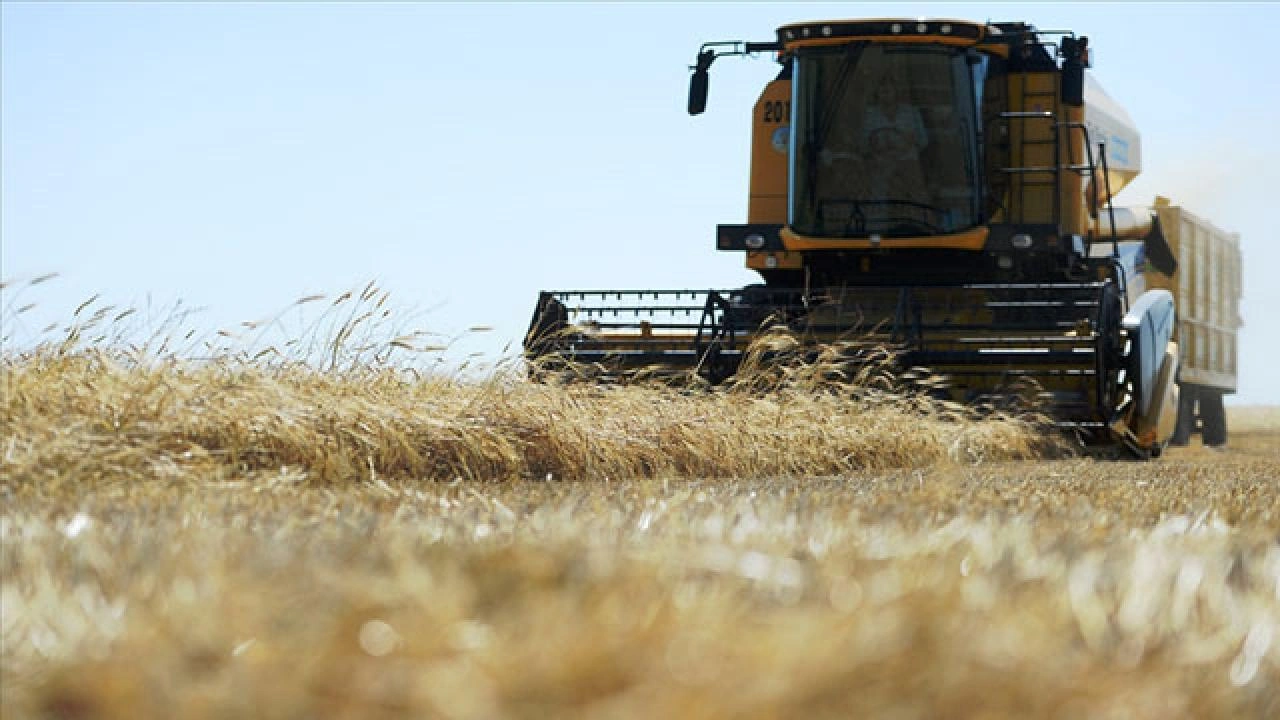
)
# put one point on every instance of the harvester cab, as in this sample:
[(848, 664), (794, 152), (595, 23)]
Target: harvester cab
[(938, 187)]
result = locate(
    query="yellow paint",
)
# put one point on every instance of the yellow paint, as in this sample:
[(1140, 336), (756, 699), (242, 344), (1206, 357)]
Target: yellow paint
[(768, 199), (1031, 194), (759, 259), (1075, 213), (973, 239)]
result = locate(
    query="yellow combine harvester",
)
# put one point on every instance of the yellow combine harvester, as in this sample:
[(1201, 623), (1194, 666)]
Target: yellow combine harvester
[(945, 188)]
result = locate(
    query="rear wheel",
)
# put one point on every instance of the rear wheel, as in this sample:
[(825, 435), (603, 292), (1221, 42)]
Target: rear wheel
[(1186, 425), (1213, 416)]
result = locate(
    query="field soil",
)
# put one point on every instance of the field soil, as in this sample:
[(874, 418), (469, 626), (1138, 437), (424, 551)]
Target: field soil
[(223, 543)]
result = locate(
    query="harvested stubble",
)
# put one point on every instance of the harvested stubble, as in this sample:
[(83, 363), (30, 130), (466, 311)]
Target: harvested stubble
[(234, 539)]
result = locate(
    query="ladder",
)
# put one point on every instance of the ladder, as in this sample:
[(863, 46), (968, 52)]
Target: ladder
[(1036, 141), (1043, 164)]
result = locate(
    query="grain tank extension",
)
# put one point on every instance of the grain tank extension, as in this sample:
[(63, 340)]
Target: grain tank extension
[(945, 188)]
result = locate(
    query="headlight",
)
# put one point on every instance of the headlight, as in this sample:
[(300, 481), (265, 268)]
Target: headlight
[(754, 241), (1021, 241)]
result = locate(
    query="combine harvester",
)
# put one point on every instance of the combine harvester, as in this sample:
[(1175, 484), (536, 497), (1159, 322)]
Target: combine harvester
[(944, 189)]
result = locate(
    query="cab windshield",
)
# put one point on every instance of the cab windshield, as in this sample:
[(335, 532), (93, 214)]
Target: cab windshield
[(888, 140)]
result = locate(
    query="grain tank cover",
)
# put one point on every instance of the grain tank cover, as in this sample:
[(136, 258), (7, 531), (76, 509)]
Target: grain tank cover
[(1109, 123)]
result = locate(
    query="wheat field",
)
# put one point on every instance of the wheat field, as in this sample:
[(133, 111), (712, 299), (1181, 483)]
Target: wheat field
[(250, 536)]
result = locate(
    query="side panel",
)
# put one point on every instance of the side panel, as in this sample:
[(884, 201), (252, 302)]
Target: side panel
[(1207, 290), (770, 136), (1031, 146)]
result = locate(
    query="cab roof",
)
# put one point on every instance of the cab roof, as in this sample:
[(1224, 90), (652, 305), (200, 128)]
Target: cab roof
[(943, 30)]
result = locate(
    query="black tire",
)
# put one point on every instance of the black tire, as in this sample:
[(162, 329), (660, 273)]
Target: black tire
[(1187, 395), (1213, 416)]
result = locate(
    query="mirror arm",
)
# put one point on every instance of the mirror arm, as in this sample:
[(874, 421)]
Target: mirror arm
[(707, 54), (734, 47)]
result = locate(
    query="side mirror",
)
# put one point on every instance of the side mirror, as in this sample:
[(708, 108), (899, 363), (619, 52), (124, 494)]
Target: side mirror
[(698, 91), (698, 83)]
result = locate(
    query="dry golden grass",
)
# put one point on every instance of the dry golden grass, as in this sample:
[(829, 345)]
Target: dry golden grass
[(260, 538)]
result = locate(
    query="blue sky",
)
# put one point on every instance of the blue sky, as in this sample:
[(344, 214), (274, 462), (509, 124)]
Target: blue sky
[(239, 156)]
